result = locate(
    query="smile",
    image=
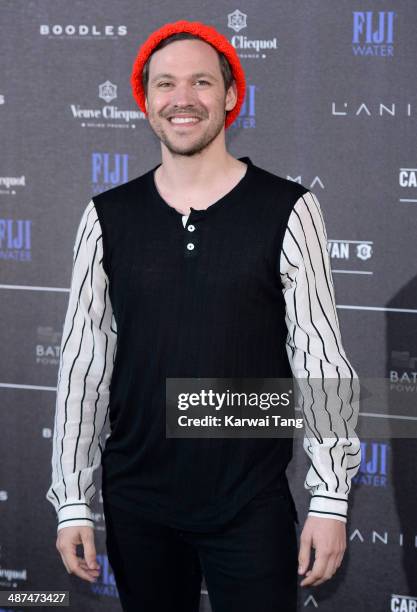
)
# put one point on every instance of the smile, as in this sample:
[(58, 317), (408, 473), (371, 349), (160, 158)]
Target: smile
[(184, 120)]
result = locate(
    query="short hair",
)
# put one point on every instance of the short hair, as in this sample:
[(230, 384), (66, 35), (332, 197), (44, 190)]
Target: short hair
[(225, 68)]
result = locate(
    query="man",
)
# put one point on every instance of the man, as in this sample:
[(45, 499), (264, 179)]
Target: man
[(205, 266)]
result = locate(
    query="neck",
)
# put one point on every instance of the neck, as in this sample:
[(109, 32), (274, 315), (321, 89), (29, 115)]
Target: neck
[(180, 173)]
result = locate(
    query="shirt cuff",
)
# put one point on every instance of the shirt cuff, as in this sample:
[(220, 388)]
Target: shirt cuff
[(75, 513), (329, 506)]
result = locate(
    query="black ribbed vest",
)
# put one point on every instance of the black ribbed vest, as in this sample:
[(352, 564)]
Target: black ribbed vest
[(215, 310)]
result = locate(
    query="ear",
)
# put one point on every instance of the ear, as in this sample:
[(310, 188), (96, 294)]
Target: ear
[(231, 97)]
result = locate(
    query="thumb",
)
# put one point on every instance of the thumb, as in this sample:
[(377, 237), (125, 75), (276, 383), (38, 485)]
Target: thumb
[(87, 538), (304, 554)]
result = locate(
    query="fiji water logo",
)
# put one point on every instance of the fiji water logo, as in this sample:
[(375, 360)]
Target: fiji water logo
[(106, 583), (374, 464), (108, 170), (373, 33), (247, 116), (15, 239)]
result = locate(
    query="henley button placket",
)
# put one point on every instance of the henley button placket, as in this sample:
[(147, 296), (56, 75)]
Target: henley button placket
[(191, 244)]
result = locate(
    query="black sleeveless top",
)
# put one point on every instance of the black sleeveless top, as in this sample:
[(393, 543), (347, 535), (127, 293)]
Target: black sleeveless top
[(215, 309)]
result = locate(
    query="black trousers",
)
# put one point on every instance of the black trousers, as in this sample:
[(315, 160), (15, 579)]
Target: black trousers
[(250, 564)]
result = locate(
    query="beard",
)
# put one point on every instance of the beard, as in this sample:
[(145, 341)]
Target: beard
[(188, 144)]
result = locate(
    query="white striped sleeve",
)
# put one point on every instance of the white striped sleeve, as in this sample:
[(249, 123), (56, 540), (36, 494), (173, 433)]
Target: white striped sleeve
[(88, 349), (318, 360)]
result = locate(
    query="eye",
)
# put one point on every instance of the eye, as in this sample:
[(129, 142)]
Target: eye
[(162, 84)]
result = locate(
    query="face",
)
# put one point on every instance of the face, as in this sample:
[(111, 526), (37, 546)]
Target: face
[(185, 80)]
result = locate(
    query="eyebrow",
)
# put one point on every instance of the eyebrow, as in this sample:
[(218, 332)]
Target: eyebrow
[(166, 75)]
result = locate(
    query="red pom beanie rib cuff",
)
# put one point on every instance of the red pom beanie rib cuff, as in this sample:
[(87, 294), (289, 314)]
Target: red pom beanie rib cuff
[(205, 32)]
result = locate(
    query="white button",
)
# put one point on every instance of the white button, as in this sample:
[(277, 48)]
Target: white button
[(190, 246), (190, 228)]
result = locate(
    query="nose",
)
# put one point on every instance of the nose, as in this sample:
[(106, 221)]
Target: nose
[(183, 94)]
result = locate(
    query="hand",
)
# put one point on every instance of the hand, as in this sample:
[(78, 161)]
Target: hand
[(66, 543), (328, 537)]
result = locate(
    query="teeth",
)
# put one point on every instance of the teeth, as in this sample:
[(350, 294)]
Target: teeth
[(184, 120)]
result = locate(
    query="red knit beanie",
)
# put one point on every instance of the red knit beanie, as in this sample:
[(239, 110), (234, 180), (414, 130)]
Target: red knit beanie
[(207, 33)]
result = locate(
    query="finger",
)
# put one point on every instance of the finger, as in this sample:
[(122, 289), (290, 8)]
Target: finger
[(64, 562), (90, 557), (92, 572), (325, 573), (72, 562), (84, 565), (76, 569), (340, 557), (338, 560), (304, 554), (334, 564), (67, 551), (317, 571), (335, 561)]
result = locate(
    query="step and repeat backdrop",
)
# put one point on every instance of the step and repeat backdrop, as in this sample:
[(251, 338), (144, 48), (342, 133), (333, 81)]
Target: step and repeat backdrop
[(331, 103)]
